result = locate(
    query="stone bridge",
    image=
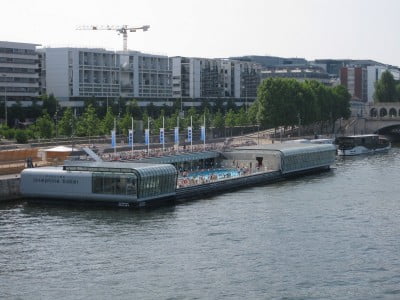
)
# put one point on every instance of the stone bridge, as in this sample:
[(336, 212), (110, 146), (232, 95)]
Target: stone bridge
[(382, 118)]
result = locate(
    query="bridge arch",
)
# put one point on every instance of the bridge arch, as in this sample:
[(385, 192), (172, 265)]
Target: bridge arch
[(374, 112), (392, 112), (383, 112)]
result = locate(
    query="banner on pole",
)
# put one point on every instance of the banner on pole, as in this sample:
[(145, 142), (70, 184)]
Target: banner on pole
[(130, 137), (203, 133), (189, 134), (146, 136), (176, 135), (161, 135), (113, 139)]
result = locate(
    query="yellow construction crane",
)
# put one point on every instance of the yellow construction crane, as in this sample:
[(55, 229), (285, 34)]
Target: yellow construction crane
[(123, 29)]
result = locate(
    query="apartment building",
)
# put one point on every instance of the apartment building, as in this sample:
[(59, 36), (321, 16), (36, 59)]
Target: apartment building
[(213, 79), (79, 73), (145, 76), (360, 80), (19, 72)]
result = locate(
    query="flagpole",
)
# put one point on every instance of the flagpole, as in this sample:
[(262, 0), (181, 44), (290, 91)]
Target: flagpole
[(148, 133), (132, 135), (191, 138), (204, 132), (115, 134), (177, 126), (163, 142)]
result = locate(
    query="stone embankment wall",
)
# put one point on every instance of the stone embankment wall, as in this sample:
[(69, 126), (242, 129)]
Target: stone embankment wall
[(9, 189)]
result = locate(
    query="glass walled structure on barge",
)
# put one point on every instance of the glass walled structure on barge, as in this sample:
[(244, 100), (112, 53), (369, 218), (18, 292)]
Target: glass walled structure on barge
[(287, 158), (101, 181)]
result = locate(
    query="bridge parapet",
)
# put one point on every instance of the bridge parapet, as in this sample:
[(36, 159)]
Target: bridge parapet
[(383, 111)]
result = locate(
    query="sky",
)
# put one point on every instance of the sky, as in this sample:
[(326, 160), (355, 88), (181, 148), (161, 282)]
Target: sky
[(311, 29)]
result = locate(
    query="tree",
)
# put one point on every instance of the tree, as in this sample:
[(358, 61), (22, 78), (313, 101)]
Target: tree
[(125, 123), (107, 124), (50, 104), (218, 121), (67, 123), (398, 91), (44, 126), (134, 109), (241, 117), (21, 136), (88, 124), (385, 88)]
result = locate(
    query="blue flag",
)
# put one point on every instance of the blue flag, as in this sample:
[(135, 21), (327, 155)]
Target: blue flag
[(189, 134), (146, 136), (203, 133), (161, 135), (130, 137), (176, 135), (113, 138)]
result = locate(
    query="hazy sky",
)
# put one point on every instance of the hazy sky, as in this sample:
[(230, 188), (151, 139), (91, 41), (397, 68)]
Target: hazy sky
[(357, 29)]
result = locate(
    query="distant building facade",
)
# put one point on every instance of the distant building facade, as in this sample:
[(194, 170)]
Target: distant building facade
[(299, 73), (145, 76), (19, 72), (214, 79), (360, 80)]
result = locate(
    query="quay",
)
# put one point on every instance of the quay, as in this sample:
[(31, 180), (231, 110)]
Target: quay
[(9, 188)]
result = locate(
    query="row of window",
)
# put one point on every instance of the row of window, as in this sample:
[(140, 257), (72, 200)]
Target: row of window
[(11, 60), (18, 79), (18, 51), (18, 90), (17, 70)]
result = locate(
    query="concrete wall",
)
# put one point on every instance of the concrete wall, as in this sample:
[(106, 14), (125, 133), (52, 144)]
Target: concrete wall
[(9, 189)]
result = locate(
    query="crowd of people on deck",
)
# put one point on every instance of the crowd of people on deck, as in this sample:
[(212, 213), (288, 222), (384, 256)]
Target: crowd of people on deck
[(159, 152)]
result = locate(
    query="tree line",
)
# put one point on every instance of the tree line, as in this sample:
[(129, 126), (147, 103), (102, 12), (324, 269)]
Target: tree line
[(290, 103), (280, 102)]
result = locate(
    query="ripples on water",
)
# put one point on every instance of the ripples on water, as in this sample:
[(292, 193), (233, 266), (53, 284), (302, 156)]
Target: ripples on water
[(328, 236)]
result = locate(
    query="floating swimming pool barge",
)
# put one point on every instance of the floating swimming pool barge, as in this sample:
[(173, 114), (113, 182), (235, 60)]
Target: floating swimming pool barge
[(168, 179)]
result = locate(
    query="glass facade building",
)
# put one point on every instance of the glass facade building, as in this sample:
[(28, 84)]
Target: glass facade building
[(134, 180)]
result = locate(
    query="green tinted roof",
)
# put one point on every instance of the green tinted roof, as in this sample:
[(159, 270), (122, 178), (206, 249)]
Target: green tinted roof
[(191, 156), (288, 148)]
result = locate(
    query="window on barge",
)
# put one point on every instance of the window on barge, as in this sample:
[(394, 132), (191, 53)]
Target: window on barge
[(114, 184)]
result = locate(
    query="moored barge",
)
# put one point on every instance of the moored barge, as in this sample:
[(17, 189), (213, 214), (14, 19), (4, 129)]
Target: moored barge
[(138, 184)]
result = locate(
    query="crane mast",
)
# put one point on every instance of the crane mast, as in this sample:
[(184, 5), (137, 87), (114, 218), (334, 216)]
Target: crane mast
[(123, 29)]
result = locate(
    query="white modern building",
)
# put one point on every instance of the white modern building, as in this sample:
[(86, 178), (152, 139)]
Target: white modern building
[(145, 76), (76, 73), (19, 72)]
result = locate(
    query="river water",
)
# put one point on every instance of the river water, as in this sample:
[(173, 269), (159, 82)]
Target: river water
[(334, 235)]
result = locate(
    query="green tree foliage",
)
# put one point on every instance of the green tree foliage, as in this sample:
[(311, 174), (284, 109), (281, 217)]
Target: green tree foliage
[(88, 124), (218, 121), (398, 91), (385, 88), (134, 109), (125, 123), (287, 102), (50, 104), (241, 118), (44, 126), (21, 136), (107, 124), (67, 123)]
